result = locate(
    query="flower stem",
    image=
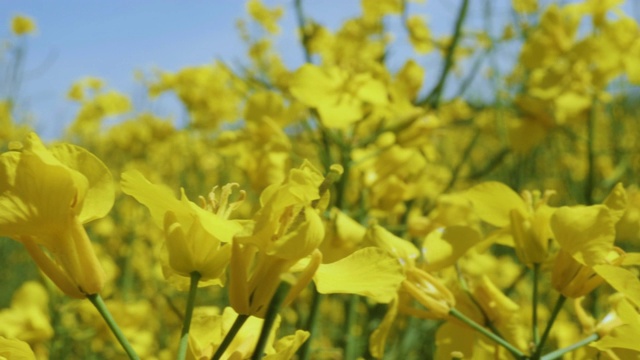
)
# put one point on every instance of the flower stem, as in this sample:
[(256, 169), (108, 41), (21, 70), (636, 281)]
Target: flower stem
[(188, 314), (237, 325), (552, 319), (305, 350), (433, 99), (512, 349), (270, 319), (558, 353), (534, 311), (99, 304), (352, 318)]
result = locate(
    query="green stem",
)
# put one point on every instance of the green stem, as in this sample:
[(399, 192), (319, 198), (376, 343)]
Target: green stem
[(237, 324), (591, 156), (270, 319), (99, 304), (558, 353), (534, 311), (302, 28), (515, 282), (465, 156), (552, 319), (433, 98), (352, 317), (512, 349), (305, 350), (188, 314)]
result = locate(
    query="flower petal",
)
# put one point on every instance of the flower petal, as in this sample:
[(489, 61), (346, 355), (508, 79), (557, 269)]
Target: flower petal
[(493, 202), (442, 247), (370, 272), (585, 232)]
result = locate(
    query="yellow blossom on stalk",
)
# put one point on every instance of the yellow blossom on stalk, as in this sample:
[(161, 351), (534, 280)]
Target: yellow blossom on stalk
[(341, 98), (287, 229), (266, 17), (417, 283), (525, 6), (374, 10), (523, 220), (197, 237), (585, 236), (47, 194), (22, 25), (419, 34), (208, 328), (14, 349), (287, 233)]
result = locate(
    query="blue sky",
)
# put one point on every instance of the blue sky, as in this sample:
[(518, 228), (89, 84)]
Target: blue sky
[(111, 39)]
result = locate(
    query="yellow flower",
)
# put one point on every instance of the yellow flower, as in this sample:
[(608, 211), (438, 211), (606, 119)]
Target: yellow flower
[(266, 17), (14, 349), (341, 98), (208, 329), (197, 238), (22, 25), (28, 316), (46, 197), (525, 6), (586, 236), (419, 34), (524, 221), (287, 229)]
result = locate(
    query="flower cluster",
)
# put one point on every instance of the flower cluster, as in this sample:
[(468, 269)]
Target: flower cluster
[(342, 208)]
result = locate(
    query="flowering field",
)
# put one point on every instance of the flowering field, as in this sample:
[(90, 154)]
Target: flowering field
[(343, 209)]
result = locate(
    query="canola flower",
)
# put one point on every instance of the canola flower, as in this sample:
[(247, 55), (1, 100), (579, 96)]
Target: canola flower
[(368, 212), (47, 195)]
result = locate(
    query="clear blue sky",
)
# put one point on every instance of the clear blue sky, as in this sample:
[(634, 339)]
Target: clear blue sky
[(111, 39)]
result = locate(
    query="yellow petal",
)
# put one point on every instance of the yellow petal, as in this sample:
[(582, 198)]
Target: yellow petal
[(100, 194), (301, 241), (39, 196), (378, 338), (14, 349), (370, 272), (314, 86), (493, 202), (622, 280), (587, 233), (286, 347), (624, 336), (404, 250), (617, 201), (157, 198), (444, 246), (197, 250)]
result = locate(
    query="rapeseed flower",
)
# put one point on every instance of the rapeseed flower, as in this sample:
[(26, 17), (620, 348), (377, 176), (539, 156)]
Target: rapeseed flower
[(22, 25), (197, 237), (523, 220), (47, 194)]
